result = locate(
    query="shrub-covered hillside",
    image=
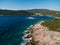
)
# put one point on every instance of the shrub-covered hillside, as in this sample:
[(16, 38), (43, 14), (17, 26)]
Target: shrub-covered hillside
[(53, 25)]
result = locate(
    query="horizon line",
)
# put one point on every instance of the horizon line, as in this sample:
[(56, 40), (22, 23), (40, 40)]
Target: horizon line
[(29, 9)]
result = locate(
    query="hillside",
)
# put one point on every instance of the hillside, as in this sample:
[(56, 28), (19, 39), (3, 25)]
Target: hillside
[(46, 12), (53, 25), (32, 12), (14, 12)]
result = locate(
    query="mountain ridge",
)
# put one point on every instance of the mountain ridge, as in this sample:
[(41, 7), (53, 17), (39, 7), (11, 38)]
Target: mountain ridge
[(30, 12)]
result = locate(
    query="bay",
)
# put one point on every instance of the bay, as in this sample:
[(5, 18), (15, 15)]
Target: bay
[(12, 28)]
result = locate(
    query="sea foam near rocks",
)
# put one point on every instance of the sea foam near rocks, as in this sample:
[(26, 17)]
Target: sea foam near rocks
[(26, 33)]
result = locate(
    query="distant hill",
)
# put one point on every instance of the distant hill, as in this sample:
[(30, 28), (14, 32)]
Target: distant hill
[(14, 12), (45, 12), (32, 12)]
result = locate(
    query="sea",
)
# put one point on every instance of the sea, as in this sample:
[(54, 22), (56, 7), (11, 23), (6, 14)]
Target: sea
[(12, 28)]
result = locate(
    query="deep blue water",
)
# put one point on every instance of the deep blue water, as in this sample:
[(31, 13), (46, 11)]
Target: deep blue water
[(12, 28)]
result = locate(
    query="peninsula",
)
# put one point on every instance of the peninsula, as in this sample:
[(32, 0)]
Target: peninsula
[(43, 33)]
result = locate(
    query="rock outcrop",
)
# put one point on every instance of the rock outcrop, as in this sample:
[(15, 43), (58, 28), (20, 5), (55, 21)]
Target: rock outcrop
[(41, 35)]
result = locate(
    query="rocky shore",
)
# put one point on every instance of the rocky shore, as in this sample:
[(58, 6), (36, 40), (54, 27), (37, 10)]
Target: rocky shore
[(40, 35)]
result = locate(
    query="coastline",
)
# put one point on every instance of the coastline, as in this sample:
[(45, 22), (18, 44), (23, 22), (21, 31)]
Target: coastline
[(27, 37), (40, 35)]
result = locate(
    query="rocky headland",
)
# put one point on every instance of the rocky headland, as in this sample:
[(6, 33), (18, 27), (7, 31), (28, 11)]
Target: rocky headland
[(41, 35)]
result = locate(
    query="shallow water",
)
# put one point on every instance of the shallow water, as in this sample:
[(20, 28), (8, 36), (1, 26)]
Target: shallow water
[(12, 28)]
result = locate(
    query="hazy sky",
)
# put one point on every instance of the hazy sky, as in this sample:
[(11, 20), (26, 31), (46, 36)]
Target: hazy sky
[(30, 4)]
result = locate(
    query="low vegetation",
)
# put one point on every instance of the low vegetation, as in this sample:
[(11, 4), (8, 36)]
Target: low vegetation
[(46, 12), (53, 25), (14, 13), (33, 12)]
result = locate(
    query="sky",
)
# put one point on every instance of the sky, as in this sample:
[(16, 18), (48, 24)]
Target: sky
[(30, 4)]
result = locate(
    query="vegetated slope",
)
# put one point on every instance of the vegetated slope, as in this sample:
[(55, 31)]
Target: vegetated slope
[(46, 12), (14, 12), (31, 12), (53, 25)]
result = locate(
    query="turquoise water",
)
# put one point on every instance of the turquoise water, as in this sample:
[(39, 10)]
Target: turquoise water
[(12, 28)]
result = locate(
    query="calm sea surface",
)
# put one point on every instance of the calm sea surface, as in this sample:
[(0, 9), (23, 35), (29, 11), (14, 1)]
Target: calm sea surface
[(12, 28)]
